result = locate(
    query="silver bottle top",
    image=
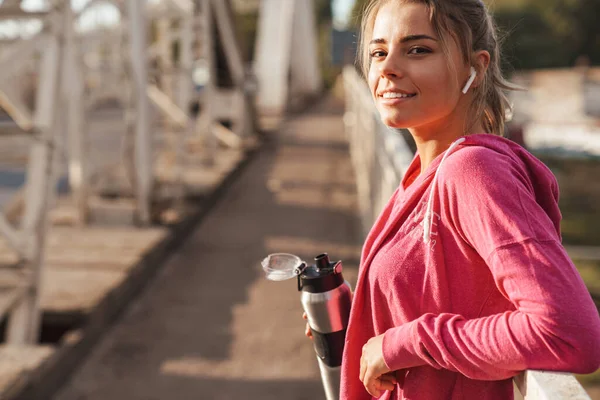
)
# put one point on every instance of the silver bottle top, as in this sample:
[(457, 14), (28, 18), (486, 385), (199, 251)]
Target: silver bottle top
[(317, 278)]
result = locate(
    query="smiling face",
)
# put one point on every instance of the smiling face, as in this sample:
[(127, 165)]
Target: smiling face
[(410, 76)]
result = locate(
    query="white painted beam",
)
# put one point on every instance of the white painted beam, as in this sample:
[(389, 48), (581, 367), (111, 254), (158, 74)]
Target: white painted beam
[(233, 54), (72, 85), (42, 171), (143, 146), (545, 385), (16, 239), (243, 124), (286, 63), (167, 107), (304, 62), (12, 103), (273, 53), (206, 118)]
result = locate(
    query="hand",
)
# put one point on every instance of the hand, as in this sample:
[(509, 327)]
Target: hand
[(373, 370), (307, 330)]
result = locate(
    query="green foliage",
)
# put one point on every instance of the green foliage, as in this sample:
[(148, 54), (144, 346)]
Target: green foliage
[(575, 24), (323, 18), (528, 41), (549, 33), (323, 11), (579, 198), (540, 33)]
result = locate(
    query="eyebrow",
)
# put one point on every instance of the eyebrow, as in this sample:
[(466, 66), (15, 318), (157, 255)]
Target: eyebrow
[(405, 39)]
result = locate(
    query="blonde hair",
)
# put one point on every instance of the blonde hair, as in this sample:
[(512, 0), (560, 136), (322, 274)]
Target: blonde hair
[(469, 23)]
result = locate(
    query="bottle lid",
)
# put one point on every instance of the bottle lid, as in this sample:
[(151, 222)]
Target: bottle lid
[(282, 266)]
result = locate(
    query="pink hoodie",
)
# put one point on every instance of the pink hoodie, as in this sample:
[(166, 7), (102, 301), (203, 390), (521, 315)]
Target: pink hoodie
[(488, 292)]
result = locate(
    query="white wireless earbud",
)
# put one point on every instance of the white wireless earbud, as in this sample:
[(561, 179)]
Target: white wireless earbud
[(470, 81)]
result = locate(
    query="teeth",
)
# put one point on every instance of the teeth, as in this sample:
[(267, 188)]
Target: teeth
[(392, 95)]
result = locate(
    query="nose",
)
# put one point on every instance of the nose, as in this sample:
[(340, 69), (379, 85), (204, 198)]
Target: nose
[(390, 67)]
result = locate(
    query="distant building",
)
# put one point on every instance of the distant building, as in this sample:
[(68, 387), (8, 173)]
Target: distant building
[(560, 110), (343, 47), (591, 93)]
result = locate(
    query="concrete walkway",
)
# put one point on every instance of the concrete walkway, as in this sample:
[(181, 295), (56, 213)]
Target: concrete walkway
[(210, 326)]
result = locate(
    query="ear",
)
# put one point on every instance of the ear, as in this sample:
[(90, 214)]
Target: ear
[(481, 62)]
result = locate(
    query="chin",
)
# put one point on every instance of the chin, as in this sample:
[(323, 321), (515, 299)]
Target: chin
[(397, 122), (396, 125)]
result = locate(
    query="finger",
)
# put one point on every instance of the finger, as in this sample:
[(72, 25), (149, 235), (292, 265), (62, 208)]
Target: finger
[(363, 369), (385, 385), (389, 377), (372, 389), (371, 384), (307, 331), (304, 316)]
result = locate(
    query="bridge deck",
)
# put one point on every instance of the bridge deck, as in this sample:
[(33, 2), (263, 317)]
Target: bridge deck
[(209, 324), (90, 272)]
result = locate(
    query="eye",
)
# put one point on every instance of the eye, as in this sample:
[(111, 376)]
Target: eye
[(377, 54), (419, 50)]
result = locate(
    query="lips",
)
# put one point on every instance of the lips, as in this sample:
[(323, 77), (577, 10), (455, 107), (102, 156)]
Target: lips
[(395, 94), (392, 95)]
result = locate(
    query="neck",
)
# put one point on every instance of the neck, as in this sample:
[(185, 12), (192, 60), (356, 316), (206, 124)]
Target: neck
[(429, 149), (435, 138)]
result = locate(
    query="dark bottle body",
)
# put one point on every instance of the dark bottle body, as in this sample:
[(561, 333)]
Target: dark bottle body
[(326, 299)]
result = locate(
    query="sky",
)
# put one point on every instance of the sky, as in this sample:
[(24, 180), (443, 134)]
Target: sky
[(105, 15), (101, 14), (341, 12)]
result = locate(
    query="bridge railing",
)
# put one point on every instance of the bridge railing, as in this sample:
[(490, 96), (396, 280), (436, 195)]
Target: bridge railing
[(380, 156)]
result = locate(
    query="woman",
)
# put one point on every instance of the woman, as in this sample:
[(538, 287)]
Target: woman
[(463, 280)]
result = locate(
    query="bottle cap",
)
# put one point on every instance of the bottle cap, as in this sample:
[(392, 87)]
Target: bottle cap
[(282, 266)]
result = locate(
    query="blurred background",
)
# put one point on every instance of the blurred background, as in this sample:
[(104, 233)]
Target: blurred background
[(552, 49), (172, 94)]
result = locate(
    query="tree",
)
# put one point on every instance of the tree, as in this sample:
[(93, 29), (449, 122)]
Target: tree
[(540, 33), (323, 11), (575, 26), (357, 11), (549, 33)]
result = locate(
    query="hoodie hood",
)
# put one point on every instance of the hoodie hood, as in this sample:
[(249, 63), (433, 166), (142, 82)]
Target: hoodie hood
[(532, 172)]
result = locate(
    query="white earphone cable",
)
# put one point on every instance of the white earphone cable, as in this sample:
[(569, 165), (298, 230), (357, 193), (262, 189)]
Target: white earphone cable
[(470, 81), (428, 218)]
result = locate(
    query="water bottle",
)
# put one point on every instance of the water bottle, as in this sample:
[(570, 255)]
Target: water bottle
[(326, 299)]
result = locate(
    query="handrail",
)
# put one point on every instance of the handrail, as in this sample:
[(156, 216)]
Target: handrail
[(380, 157)]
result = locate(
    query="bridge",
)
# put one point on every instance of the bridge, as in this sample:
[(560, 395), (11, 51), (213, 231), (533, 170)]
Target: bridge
[(139, 207)]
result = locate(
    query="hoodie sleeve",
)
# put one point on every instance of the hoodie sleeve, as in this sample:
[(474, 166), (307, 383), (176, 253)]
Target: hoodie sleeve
[(555, 324)]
